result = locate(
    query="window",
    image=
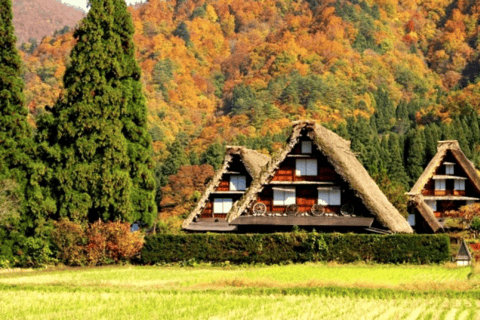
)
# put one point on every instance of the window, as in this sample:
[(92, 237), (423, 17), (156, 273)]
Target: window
[(283, 196), (411, 220), (222, 205), (306, 167), (432, 204), (440, 184), (329, 196), (449, 168), (460, 185), (238, 183), (306, 146)]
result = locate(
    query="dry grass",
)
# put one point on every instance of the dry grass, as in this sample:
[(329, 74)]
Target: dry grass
[(307, 291)]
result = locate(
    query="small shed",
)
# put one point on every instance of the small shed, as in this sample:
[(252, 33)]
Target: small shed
[(464, 257)]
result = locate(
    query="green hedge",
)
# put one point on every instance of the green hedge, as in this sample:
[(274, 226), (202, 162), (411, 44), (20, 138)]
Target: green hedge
[(296, 247)]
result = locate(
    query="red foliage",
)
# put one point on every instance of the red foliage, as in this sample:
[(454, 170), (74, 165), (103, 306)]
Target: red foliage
[(101, 243), (475, 246)]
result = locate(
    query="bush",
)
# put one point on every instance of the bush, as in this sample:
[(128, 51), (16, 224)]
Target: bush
[(69, 239), (99, 244), (36, 253), (296, 247)]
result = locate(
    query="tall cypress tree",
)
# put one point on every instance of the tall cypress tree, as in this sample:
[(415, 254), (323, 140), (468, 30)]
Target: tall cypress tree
[(95, 138), (134, 119), (15, 132)]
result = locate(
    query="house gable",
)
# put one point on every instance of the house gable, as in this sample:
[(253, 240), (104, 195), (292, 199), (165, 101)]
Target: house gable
[(227, 186), (448, 182), (348, 175)]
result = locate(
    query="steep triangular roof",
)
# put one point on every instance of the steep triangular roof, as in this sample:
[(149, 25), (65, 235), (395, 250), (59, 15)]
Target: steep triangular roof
[(426, 212), (337, 151), (251, 159), (463, 252), (443, 148)]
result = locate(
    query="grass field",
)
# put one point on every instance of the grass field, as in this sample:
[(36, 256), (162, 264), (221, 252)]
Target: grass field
[(307, 291)]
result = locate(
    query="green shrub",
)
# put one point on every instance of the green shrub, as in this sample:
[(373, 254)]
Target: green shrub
[(296, 247)]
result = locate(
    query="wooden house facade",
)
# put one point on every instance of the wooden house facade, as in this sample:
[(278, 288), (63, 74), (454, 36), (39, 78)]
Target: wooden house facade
[(228, 185), (316, 182), (449, 182)]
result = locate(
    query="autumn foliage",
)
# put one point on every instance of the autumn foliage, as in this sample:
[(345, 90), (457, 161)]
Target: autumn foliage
[(98, 244)]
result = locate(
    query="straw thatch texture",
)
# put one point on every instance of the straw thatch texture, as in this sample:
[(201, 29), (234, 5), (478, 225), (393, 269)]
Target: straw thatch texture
[(251, 159), (427, 213), (443, 148), (337, 150)]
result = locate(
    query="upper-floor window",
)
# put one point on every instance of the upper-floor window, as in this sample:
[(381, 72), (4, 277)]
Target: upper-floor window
[(460, 185), (329, 196), (440, 184), (222, 205), (283, 196), (238, 183), (306, 167), (449, 168), (306, 146)]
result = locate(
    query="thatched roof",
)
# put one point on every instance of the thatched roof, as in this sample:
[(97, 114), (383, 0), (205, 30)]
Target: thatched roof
[(427, 213), (337, 151), (443, 148), (251, 159)]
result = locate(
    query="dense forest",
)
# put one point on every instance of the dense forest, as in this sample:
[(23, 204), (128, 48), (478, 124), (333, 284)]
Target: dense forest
[(392, 76)]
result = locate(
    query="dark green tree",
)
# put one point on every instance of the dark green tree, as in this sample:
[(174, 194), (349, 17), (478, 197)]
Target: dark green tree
[(175, 160), (415, 158), (15, 132), (95, 139), (213, 155), (396, 170), (432, 135), (19, 175)]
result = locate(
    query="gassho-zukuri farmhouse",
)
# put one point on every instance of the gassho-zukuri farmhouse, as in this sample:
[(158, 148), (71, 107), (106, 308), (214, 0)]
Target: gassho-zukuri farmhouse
[(315, 182)]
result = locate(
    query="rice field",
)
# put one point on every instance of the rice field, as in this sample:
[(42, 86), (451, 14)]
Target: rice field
[(306, 291)]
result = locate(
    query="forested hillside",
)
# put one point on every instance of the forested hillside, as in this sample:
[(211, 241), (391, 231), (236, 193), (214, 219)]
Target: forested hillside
[(392, 76), (34, 19)]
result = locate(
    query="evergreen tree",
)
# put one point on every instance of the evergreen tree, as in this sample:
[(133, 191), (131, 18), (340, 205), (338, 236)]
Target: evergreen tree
[(95, 139), (134, 119), (385, 109), (459, 134), (175, 160), (474, 135), (396, 170), (415, 155), (15, 132), (213, 155), (432, 135)]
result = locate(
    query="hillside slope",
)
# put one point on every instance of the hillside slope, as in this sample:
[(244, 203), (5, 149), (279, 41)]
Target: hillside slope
[(238, 72), (38, 18)]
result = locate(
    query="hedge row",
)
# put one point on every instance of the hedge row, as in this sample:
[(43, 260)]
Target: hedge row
[(296, 247)]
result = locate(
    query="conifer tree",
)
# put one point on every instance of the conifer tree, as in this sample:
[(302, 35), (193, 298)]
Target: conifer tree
[(415, 155), (15, 132), (134, 119), (396, 170), (95, 138), (432, 135)]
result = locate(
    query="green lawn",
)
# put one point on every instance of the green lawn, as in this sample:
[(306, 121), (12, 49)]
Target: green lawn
[(306, 291)]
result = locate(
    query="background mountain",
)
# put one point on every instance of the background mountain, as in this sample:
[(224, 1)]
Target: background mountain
[(34, 19), (392, 76)]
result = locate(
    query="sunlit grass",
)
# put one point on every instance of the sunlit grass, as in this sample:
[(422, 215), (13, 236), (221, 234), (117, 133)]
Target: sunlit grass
[(375, 276), (302, 291)]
